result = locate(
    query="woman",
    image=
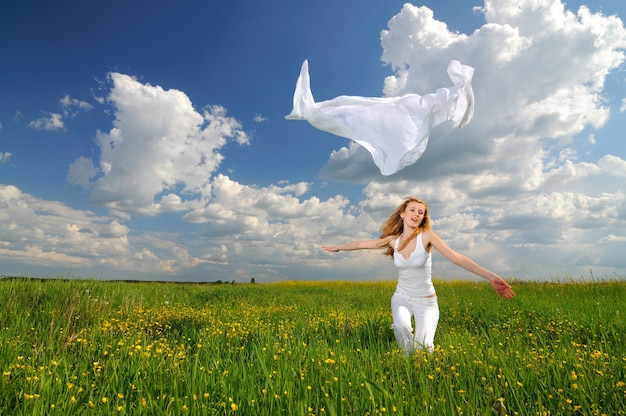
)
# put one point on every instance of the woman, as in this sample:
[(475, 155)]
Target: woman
[(408, 239)]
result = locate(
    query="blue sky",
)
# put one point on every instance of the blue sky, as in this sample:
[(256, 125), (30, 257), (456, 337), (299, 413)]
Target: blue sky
[(147, 140)]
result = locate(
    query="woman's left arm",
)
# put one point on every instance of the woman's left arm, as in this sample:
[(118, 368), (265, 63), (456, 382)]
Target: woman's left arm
[(499, 284)]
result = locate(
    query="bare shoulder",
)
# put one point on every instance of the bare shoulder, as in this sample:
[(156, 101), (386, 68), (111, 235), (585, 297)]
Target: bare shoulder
[(429, 237), (389, 240)]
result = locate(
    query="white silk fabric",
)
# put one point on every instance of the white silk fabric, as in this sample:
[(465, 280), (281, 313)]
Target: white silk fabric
[(395, 130)]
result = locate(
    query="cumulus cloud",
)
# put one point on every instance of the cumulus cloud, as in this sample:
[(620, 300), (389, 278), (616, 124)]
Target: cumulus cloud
[(53, 122), (540, 74), (72, 106), (81, 171), (4, 157), (511, 189), (514, 173), (271, 233), (59, 234), (258, 118), (53, 235), (161, 152)]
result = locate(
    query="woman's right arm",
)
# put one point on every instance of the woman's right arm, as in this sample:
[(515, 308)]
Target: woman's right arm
[(378, 243)]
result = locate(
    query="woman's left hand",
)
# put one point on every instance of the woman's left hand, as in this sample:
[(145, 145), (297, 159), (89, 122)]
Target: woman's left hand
[(502, 288)]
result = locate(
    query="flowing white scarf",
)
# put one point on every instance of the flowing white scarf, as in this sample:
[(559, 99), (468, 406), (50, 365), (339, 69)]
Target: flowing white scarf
[(394, 130)]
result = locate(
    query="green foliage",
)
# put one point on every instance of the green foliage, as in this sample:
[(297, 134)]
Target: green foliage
[(307, 348)]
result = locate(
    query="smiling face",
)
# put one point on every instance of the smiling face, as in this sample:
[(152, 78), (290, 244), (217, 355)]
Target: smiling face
[(413, 215)]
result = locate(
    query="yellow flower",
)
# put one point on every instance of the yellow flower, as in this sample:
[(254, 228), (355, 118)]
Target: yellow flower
[(233, 407)]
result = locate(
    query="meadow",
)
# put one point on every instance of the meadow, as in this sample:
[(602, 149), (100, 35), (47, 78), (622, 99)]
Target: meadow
[(89, 347)]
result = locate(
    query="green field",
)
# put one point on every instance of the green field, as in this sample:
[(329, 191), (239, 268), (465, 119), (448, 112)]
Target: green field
[(73, 347)]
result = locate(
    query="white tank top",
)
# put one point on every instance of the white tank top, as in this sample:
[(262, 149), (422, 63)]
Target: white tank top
[(414, 273)]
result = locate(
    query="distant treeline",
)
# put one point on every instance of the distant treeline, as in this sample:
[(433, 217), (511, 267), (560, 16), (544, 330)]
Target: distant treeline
[(65, 279)]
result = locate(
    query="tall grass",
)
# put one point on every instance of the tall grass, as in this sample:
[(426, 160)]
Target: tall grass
[(305, 348)]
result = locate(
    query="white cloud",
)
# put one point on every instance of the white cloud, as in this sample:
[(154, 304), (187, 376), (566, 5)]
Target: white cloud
[(160, 154), (270, 233), (53, 122), (540, 73), (612, 238), (509, 190), (508, 186), (244, 231), (50, 234), (81, 171), (71, 106), (4, 157)]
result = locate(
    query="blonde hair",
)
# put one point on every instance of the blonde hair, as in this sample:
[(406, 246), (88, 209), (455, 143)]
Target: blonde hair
[(394, 226)]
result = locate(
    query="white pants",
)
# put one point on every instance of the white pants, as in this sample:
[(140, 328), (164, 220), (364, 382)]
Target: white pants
[(425, 311)]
